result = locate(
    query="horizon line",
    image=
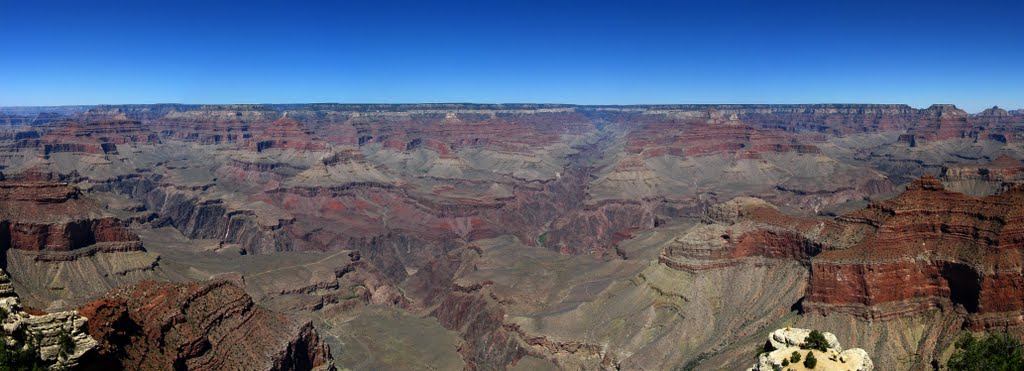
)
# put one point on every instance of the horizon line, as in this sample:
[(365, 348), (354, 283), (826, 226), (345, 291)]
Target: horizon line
[(490, 103)]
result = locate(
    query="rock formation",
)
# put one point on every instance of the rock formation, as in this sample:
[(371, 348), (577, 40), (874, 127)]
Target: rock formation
[(55, 221), (199, 326), (286, 133), (984, 179), (785, 341), (927, 248), (61, 336), (94, 135), (941, 247)]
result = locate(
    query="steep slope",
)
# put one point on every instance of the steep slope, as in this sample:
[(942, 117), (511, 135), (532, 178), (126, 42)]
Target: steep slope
[(199, 326), (937, 248), (980, 180), (59, 243)]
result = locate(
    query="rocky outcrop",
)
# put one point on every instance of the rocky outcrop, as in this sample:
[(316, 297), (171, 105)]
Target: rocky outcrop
[(928, 248), (980, 180), (56, 221), (209, 325), (932, 249), (196, 217), (939, 122), (60, 337), (479, 318), (750, 227), (785, 341)]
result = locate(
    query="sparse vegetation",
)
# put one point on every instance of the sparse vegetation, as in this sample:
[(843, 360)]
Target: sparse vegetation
[(815, 340), (66, 342), (762, 349), (19, 358), (996, 352), (785, 362), (795, 357), (811, 361)]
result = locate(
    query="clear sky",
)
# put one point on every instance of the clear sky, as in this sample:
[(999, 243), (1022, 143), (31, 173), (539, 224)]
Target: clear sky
[(969, 53)]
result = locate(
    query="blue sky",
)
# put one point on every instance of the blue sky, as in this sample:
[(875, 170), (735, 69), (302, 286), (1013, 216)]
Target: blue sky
[(89, 52)]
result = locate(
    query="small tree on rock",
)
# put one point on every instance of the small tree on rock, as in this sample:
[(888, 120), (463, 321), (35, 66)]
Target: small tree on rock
[(810, 362), (815, 340)]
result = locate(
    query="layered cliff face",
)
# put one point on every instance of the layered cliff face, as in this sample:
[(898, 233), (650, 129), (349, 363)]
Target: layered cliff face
[(928, 248), (980, 180), (94, 135), (55, 220), (64, 246), (933, 248), (199, 326), (286, 134), (695, 156)]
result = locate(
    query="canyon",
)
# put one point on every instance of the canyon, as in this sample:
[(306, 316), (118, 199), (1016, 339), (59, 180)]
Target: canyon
[(510, 236)]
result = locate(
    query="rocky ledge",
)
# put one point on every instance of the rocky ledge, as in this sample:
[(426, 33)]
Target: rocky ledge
[(784, 343), (60, 337)]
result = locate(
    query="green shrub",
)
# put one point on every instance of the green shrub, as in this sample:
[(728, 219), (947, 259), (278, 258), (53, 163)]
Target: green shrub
[(785, 362), (795, 357), (19, 358), (815, 340), (66, 342), (997, 352), (810, 362)]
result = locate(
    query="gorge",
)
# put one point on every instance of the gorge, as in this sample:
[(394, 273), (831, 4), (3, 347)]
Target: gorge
[(510, 236)]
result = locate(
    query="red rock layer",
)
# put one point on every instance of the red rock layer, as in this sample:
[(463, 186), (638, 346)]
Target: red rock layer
[(55, 218), (933, 248), (287, 133), (939, 122), (206, 132), (210, 125), (211, 325), (944, 122), (753, 228), (445, 133), (999, 125), (94, 135), (927, 248), (830, 118), (708, 134)]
